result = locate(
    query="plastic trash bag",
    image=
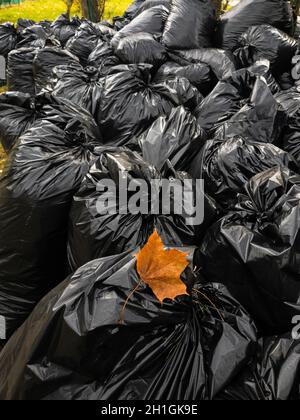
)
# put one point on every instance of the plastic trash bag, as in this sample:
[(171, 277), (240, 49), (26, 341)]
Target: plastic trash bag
[(131, 102), (133, 8), (103, 58), (191, 24), (20, 70), (86, 39), (198, 75), (290, 101), (261, 118), (17, 114), (8, 38), (227, 98), (45, 169), (226, 166), (64, 28), (269, 43), (221, 62), (94, 233), (75, 346), (152, 21), (247, 13), (141, 48), (262, 68), (36, 36), (82, 86), (45, 61), (148, 4), (272, 376), (254, 250), (176, 137)]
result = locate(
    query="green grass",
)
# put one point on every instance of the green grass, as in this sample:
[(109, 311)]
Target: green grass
[(50, 9)]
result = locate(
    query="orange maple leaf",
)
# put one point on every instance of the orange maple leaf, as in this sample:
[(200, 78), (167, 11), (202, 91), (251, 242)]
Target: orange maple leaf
[(160, 269)]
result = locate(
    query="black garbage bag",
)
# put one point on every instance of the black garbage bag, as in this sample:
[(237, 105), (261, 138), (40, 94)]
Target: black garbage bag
[(272, 376), (141, 48), (24, 23), (82, 86), (290, 101), (64, 28), (86, 39), (8, 38), (87, 341), (148, 4), (220, 61), (191, 24), (20, 70), (247, 13), (96, 232), (255, 250), (226, 166), (176, 137), (266, 42), (103, 58), (133, 8), (45, 169), (199, 75), (227, 98), (151, 21), (131, 102), (17, 114), (36, 36), (262, 118), (45, 61)]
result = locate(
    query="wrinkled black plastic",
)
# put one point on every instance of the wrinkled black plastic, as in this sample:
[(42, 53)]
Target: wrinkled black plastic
[(272, 376), (140, 48), (226, 166), (8, 38), (198, 74), (151, 21), (269, 43), (176, 137), (290, 101), (103, 58), (221, 62), (93, 234), (45, 61), (191, 24), (131, 102), (87, 341), (36, 36), (261, 119), (86, 39), (148, 4), (20, 70), (17, 114), (80, 85), (255, 250), (227, 98), (247, 13), (45, 168), (64, 28)]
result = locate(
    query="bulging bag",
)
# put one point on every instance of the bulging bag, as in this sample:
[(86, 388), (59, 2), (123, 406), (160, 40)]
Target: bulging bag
[(191, 24), (44, 170), (255, 250), (88, 341), (247, 13)]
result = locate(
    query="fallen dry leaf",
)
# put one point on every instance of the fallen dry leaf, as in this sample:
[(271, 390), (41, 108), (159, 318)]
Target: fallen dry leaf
[(161, 269)]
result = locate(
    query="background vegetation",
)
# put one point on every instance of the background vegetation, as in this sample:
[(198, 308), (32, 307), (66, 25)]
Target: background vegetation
[(50, 9)]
